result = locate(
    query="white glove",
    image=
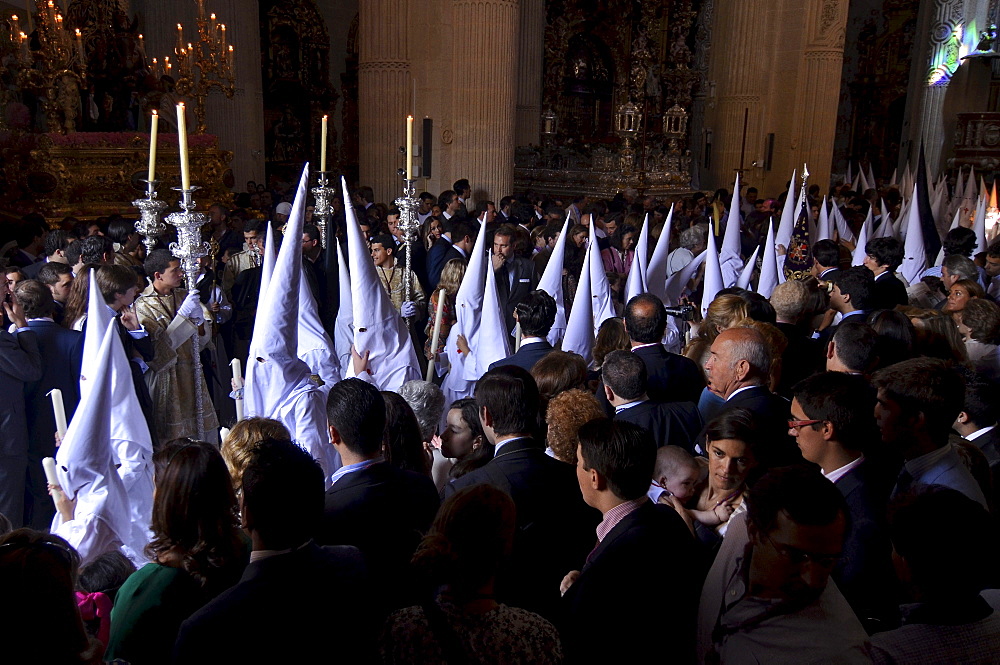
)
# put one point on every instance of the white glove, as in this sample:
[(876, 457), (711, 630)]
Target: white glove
[(191, 308), (408, 309)]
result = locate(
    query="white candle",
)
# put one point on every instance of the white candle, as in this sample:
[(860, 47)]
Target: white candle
[(237, 384), (59, 410), (322, 146), (517, 336), (409, 147), (79, 46), (180, 39), (436, 336), (182, 147), (51, 477), (153, 130), (223, 434)]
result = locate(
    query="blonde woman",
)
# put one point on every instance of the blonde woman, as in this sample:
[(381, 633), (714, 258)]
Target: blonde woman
[(451, 279), (243, 437)]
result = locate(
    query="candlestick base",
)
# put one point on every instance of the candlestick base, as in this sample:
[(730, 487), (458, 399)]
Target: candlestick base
[(150, 208)]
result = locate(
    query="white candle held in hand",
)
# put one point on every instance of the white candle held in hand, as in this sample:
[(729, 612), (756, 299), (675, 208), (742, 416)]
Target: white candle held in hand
[(237, 384), (436, 335), (182, 147), (59, 411)]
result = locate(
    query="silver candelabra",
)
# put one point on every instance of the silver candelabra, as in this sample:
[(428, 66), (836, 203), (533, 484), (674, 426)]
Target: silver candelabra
[(408, 224), (150, 208), (323, 211), (190, 249)]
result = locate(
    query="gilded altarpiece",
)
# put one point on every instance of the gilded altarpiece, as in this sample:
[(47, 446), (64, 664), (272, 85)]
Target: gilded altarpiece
[(616, 99)]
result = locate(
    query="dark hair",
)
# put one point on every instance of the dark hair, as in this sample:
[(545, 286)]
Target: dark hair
[(857, 346), (72, 252), (536, 313), (357, 411), (106, 573), (366, 193), (459, 229), (857, 282), (255, 226), (446, 197), (943, 536), (736, 423), (157, 262), (93, 249), (56, 240), (119, 229), (386, 240), (993, 250), (622, 452), (113, 279), (925, 385), (620, 233), (403, 445), (194, 512), (982, 317), (481, 455), (283, 490), (312, 231), (461, 185), (885, 251), (558, 371), (507, 231), (960, 241), (469, 540), (645, 319), (51, 272), (35, 298), (896, 335), (979, 405), (826, 253), (847, 401), (800, 492), (510, 394), (625, 373)]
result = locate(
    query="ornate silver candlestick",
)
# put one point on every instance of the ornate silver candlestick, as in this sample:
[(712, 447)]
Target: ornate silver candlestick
[(189, 249), (408, 224), (323, 210), (150, 208)]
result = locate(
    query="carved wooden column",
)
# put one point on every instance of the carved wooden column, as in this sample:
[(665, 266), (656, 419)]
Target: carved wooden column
[(531, 38), (485, 95), (384, 94), (819, 91)]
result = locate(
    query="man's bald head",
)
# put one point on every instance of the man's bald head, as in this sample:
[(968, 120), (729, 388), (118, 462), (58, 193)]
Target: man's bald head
[(740, 357), (645, 319)]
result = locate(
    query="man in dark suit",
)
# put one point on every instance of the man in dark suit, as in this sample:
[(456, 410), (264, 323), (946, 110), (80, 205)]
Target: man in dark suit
[(455, 243), (61, 351), (802, 355), (20, 363), (670, 423), (884, 256), (670, 377), (554, 526), (833, 420), (641, 546), (295, 599), (826, 261), (851, 296), (56, 243), (738, 369), (853, 348), (536, 314), (380, 509), (977, 422), (516, 276)]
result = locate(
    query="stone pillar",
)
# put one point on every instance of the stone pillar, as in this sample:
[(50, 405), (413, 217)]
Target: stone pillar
[(485, 95), (531, 38), (384, 94), (819, 91)]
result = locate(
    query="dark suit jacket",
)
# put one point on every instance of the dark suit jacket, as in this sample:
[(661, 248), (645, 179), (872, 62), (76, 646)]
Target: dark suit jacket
[(526, 356), (865, 574), (515, 280), (289, 608), (888, 292), (555, 528), (670, 423), (771, 413), (20, 362), (669, 377), (649, 549), (62, 354), (800, 359), (383, 511), (436, 258)]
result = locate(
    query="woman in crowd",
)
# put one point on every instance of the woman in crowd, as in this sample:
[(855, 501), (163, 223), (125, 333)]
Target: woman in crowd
[(731, 445), (959, 295), (566, 413), (460, 556), (896, 336), (430, 231), (556, 372), (76, 304), (980, 328), (611, 336), (402, 445), (242, 438), (197, 551), (463, 439), (618, 257), (938, 336), (451, 279)]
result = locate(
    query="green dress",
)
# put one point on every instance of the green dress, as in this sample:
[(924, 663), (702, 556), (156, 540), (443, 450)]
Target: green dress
[(148, 612)]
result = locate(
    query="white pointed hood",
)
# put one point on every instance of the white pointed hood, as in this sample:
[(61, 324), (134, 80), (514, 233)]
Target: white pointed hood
[(99, 315), (378, 327), (492, 342), (743, 281), (940, 255), (892, 181), (344, 331), (843, 229), (979, 225), (636, 282), (729, 254), (769, 264), (713, 275), (551, 282), (580, 326), (656, 273), (786, 224), (679, 280), (600, 289), (86, 465), (858, 258), (914, 254), (315, 348), (823, 230), (871, 177)]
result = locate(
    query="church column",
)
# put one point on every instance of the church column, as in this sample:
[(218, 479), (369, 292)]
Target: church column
[(384, 94), (531, 38), (485, 70)]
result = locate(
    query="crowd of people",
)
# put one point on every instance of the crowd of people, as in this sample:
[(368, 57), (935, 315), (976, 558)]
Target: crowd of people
[(806, 475)]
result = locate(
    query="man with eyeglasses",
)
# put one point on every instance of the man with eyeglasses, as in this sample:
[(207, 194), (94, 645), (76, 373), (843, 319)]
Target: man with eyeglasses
[(767, 598)]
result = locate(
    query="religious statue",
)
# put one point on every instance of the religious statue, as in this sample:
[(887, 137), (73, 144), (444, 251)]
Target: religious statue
[(288, 138)]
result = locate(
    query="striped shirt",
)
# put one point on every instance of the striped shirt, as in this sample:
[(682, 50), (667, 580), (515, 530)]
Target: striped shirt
[(616, 515)]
